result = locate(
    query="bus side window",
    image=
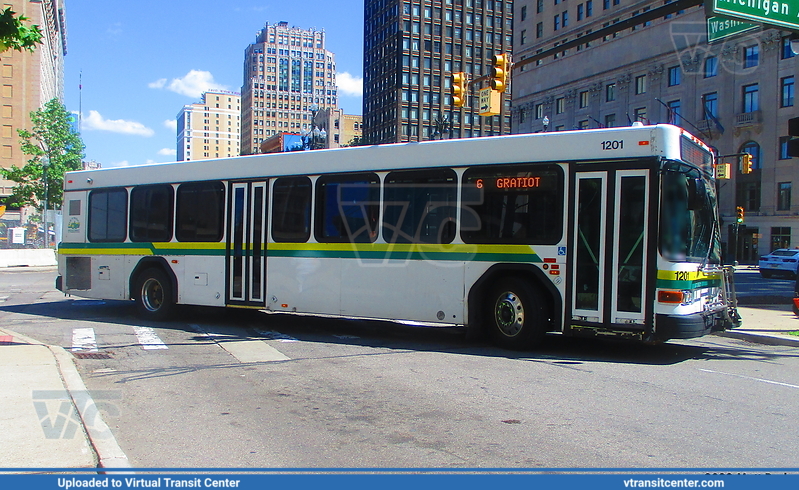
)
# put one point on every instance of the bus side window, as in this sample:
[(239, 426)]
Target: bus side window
[(291, 209), (347, 208), (200, 212), (108, 215), (151, 213), (420, 206)]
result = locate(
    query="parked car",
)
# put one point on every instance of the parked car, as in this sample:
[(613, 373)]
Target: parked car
[(783, 261), (796, 297)]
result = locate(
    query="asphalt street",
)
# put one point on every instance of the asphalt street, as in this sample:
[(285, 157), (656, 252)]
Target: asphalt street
[(227, 389)]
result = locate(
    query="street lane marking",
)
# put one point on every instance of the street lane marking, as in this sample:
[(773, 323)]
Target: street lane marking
[(245, 350), (148, 339), (751, 378), (83, 340)]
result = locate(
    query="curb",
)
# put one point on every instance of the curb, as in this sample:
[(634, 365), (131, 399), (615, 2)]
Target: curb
[(102, 441), (765, 339)]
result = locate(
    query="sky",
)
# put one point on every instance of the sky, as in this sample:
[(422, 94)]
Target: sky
[(139, 63)]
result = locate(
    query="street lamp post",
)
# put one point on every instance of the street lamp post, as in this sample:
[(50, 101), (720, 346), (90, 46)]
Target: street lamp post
[(45, 166)]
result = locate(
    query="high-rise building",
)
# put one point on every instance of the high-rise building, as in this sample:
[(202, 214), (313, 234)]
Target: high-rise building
[(736, 93), (411, 49), (286, 71), (29, 80), (211, 128)]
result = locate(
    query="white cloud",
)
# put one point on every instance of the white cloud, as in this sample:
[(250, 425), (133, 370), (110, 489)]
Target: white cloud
[(95, 121), (171, 124), (349, 85), (192, 85), (158, 83), (168, 151)]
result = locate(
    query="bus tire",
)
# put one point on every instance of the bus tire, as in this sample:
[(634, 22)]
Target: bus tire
[(516, 315), (154, 299)]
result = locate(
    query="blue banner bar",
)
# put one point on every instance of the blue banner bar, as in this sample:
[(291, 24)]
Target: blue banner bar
[(400, 481)]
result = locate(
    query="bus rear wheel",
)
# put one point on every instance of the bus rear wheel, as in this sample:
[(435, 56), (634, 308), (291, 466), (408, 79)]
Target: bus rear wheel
[(517, 316), (154, 298)]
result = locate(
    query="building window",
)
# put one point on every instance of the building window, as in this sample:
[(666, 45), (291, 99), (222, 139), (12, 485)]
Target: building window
[(787, 52), (784, 148), (786, 91), (539, 111), (610, 92), (640, 85), (580, 10), (539, 6), (640, 115), (539, 30), (784, 196), (674, 76), (589, 8), (524, 12), (711, 66), (583, 99), (751, 56), (674, 112), (560, 105), (751, 99), (780, 237), (565, 17), (523, 37), (610, 120), (710, 105), (556, 22)]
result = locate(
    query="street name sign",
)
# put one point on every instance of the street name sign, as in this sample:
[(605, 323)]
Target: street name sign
[(783, 14), (720, 28)]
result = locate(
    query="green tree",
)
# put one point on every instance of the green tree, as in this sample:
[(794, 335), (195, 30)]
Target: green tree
[(16, 35), (55, 148)]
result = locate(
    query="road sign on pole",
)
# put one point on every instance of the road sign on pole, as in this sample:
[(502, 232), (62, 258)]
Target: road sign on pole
[(490, 102), (783, 14), (719, 28)]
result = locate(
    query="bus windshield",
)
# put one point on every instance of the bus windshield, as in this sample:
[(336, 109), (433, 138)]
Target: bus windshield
[(689, 229)]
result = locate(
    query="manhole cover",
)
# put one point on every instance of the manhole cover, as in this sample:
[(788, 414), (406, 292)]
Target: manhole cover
[(92, 355)]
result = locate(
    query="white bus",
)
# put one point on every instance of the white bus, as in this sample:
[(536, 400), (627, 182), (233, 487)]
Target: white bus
[(609, 232)]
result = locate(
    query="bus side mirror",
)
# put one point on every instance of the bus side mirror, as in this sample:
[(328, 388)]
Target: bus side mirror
[(696, 192)]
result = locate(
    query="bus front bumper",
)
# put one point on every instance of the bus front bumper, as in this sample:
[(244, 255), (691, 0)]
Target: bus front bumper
[(691, 326)]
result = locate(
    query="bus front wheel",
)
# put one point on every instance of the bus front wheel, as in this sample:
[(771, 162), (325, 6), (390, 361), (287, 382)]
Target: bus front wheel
[(154, 298), (517, 316)]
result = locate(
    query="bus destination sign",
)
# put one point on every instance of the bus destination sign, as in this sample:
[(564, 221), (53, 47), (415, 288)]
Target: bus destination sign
[(783, 14), (511, 182)]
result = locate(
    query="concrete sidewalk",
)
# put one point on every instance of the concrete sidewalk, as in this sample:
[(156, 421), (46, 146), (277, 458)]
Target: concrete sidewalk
[(766, 324), (47, 417)]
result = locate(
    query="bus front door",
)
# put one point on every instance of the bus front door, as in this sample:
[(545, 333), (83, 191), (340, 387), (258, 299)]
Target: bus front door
[(609, 243), (246, 245)]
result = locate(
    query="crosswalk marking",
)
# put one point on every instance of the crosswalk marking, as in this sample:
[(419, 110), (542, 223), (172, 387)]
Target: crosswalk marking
[(83, 340), (245, 350), (148, 339)]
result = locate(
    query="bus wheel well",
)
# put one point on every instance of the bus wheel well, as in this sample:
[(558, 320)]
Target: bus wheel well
[(529, 274), (152, 263)]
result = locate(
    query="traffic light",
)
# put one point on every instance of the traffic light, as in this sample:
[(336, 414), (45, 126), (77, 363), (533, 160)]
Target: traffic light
[(746, 163), (739, 214), (500, 72), (459, 89), (793, 141)]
